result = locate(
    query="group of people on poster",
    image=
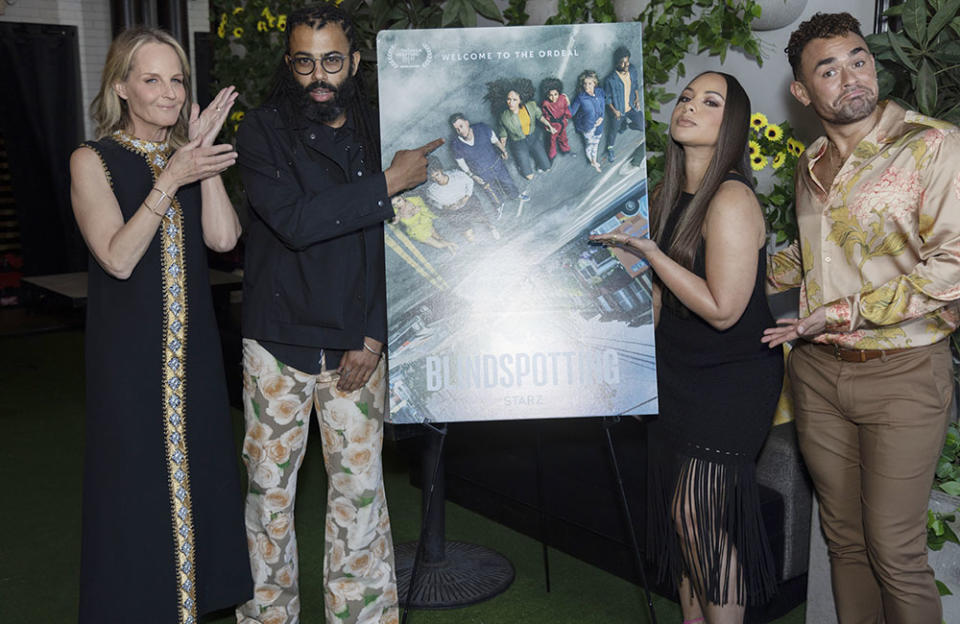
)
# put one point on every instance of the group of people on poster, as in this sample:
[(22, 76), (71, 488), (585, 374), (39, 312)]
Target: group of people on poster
[(472, 196), (166, 537)]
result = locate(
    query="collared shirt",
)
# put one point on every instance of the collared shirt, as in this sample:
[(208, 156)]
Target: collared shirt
[(880, 248)]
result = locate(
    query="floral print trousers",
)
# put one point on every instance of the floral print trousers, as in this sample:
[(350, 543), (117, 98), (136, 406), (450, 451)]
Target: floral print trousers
[(358, 569)]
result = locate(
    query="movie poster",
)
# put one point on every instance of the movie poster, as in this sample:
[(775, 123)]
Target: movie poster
[(498, 306)]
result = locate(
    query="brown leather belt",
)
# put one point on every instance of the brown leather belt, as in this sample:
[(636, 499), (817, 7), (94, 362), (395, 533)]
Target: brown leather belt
[(856, 355)]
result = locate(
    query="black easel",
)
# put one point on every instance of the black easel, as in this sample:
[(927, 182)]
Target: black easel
[(608, 423), (456, 573), (541, 506)]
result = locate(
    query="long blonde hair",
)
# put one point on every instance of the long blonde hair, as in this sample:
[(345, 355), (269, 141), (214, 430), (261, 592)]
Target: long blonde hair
[(109, 110)]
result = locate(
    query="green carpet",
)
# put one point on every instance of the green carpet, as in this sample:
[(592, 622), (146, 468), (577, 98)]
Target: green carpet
[(41, 417)]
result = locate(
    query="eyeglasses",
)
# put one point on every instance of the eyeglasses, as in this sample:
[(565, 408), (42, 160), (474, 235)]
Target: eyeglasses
[(306, 65)]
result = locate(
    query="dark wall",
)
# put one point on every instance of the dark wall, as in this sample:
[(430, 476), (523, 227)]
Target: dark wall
[(41, 119)]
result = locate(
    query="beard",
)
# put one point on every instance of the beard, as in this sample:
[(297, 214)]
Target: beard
[(321, 112), (855, 109)]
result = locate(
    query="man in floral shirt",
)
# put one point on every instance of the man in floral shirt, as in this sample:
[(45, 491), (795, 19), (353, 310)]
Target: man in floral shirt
[(878, 266)]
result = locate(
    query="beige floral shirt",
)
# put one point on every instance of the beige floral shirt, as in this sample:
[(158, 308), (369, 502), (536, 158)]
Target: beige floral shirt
[(880, 249)]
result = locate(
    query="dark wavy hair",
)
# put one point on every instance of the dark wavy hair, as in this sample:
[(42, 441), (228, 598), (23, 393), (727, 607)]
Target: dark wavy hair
[(550, 84), (820, 26), (285, 90), (731, 155), (498, 89)]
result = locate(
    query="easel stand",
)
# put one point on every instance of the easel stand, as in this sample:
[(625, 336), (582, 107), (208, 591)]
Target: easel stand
[(433, 573), (608, 423)]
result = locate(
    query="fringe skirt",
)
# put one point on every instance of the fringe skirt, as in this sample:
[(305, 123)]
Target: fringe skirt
[(704, 519)]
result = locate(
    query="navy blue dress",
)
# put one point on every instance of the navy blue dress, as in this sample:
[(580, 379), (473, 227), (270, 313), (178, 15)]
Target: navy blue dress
[(163, 538)]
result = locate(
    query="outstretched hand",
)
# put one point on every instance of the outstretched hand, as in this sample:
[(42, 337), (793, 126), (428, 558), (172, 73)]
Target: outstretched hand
[(788, 329), (641, 245), (207, 124)]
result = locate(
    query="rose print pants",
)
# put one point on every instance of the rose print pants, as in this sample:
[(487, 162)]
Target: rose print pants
[(358, 568)]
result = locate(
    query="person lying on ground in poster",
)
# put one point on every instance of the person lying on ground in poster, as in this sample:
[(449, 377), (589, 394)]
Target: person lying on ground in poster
[(621, 89), (708, 249), (511, 102), (452, 191), (556, 110), (478, 152), (417, 220), (587, 112)]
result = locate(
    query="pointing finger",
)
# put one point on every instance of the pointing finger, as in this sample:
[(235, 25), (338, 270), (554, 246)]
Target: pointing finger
[(432, 145)]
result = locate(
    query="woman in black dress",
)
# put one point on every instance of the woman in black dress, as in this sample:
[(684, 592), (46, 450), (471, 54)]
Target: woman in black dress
[(163, 538), (718, 386)]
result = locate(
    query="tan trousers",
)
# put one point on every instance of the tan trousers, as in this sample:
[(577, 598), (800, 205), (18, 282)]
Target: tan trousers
[(871, 434), (360, 584)]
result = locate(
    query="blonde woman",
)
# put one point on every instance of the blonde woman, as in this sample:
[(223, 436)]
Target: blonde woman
[(162, 537)]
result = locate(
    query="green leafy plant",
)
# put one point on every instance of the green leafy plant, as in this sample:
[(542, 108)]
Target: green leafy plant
[(774, 146), (516, 13), (582, 11), (920, 62), (947, 478), (672, 29)]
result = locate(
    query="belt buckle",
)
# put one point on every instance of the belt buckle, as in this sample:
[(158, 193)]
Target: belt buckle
[(836, 352)]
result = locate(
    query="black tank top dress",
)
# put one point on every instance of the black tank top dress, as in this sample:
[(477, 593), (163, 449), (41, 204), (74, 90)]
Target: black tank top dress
[(718, 391)]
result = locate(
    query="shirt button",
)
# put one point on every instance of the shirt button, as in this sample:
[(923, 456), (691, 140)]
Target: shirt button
[(338, 221), (359, 174), (826, 259), (380, 203), (312, 136)]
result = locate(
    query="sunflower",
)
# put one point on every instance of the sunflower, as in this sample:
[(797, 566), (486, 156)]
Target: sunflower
[(238, 32), (754, 148), (758, 162), (795, 146), (778, 160), (758, 121), (773, 132)]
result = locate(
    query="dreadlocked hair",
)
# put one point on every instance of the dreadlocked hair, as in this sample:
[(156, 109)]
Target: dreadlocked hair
[(358, 108)]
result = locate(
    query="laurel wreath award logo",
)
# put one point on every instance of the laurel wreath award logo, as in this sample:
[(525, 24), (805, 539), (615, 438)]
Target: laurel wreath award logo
[(404, 58)]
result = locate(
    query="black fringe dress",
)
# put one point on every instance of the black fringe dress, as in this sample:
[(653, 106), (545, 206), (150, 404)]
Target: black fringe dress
[(718, 391)]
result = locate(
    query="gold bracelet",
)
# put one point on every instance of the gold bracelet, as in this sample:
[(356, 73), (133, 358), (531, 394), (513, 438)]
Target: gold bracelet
[(376, 353), (147, 206), (156, 204)]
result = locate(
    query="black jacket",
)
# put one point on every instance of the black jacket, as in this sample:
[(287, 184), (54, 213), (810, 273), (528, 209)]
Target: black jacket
[(314, 267)]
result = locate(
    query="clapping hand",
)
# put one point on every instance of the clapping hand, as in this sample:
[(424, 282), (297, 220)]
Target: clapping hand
[(208, 123)]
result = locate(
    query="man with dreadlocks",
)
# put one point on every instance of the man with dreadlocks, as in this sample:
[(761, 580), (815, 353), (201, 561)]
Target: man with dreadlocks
[(314, 321)]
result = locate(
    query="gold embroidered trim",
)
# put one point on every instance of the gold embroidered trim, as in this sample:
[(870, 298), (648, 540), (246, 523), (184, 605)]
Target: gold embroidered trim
[(174, 380), (103, 163)]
